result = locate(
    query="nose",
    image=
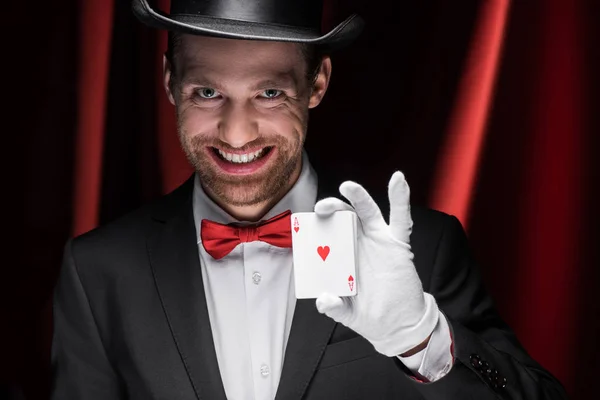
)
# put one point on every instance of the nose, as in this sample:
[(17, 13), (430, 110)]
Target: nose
[(238, 124)]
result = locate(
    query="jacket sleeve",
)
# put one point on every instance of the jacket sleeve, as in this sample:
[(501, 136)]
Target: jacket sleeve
[(80, 367), (489, 361)]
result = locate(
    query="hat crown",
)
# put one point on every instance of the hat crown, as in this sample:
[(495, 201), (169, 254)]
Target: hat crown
[(297, 13)]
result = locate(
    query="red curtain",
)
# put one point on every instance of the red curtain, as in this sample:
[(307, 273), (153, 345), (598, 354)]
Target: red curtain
[(95, 31), (550, 212), (487, 106)]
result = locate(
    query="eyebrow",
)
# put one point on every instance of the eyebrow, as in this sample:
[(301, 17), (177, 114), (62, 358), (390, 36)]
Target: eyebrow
[(282, 80), (193, 80)]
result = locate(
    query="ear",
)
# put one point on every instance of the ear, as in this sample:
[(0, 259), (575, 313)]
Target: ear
[(167, 75), (321, 83)]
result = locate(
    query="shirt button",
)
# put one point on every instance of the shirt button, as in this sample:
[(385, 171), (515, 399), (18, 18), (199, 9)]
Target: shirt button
[(256, 277), (264, 370)]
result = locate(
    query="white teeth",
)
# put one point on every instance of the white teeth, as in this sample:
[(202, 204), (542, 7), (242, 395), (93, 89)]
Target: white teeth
[(241, 158)]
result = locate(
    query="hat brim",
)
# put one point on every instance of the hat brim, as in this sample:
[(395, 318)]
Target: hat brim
[(339, 37)]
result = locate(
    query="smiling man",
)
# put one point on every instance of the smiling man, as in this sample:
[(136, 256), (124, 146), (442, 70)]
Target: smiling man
[(192, 296)]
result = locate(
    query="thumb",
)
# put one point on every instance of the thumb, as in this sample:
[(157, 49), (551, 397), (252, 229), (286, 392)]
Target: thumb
[(333, 306), (326, 207)]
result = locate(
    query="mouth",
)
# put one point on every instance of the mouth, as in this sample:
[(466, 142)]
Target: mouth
[(241, 163), (242, 158)]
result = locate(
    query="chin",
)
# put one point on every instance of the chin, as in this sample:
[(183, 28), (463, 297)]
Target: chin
[(241, 197)]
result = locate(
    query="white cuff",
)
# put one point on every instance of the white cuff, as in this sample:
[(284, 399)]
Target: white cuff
[(436, 360)]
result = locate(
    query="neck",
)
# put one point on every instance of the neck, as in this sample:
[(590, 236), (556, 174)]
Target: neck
[(255, 212)]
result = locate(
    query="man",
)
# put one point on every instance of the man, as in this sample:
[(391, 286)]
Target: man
[(192, 297)]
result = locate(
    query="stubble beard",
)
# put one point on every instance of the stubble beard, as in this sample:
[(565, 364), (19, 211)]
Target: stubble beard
[(245, 190)]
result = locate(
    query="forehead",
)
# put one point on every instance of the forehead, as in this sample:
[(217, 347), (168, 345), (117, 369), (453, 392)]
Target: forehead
[(237, 59)]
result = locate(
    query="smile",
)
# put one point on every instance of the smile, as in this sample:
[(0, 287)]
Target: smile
[(242, 163), (243, 158)]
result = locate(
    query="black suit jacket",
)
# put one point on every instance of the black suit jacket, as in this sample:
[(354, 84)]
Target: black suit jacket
[(131, 322)]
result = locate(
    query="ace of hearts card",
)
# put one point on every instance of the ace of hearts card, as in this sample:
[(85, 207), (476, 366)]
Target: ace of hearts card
[(324, 254)]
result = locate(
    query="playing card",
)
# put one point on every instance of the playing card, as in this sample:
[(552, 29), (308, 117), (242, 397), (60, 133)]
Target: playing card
[(324, 254)]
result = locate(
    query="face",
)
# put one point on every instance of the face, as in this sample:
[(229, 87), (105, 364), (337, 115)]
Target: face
[(242, 113)]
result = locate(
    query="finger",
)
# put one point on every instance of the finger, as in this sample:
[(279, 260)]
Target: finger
[(366, 209), (333, 306), (400, 218), (325, 207)]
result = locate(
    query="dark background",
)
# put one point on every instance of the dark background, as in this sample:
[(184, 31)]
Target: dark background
[(90, 138)]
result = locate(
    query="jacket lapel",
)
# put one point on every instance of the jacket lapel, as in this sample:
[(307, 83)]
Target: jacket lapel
[(173, 253), (309, 335)]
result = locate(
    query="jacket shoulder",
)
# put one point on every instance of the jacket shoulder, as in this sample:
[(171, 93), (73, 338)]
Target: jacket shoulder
[(430, 224), (132, 228), (430, 229), (429, 218)]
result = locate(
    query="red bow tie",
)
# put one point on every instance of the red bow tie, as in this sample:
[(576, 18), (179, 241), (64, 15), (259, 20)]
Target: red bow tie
[(219, 239)]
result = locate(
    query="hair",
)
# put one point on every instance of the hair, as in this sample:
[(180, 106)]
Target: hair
[(311, 53)]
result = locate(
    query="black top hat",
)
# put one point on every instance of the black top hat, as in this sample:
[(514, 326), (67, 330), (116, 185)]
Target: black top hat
[(279, 20)]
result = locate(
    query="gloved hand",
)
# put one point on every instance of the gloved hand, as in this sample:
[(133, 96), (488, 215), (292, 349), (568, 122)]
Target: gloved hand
[(390, 309)]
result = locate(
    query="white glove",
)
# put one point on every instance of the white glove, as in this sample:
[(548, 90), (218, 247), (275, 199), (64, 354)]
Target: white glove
[(390, 309)]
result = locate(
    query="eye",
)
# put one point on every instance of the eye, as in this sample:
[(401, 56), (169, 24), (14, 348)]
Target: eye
[(207, 93), (271, 93)]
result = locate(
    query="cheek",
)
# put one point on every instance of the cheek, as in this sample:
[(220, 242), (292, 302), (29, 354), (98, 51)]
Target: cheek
[(193, 121), (286, 121)]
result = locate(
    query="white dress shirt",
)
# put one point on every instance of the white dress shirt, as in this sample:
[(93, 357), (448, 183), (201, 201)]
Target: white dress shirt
[(251, 299)]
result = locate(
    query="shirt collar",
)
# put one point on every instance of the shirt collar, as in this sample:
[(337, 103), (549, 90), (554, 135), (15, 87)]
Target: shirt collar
[(300, 198)]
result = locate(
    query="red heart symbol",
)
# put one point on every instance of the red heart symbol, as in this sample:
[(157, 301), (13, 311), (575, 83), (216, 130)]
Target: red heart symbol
[(296, 228), (323, 251)]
